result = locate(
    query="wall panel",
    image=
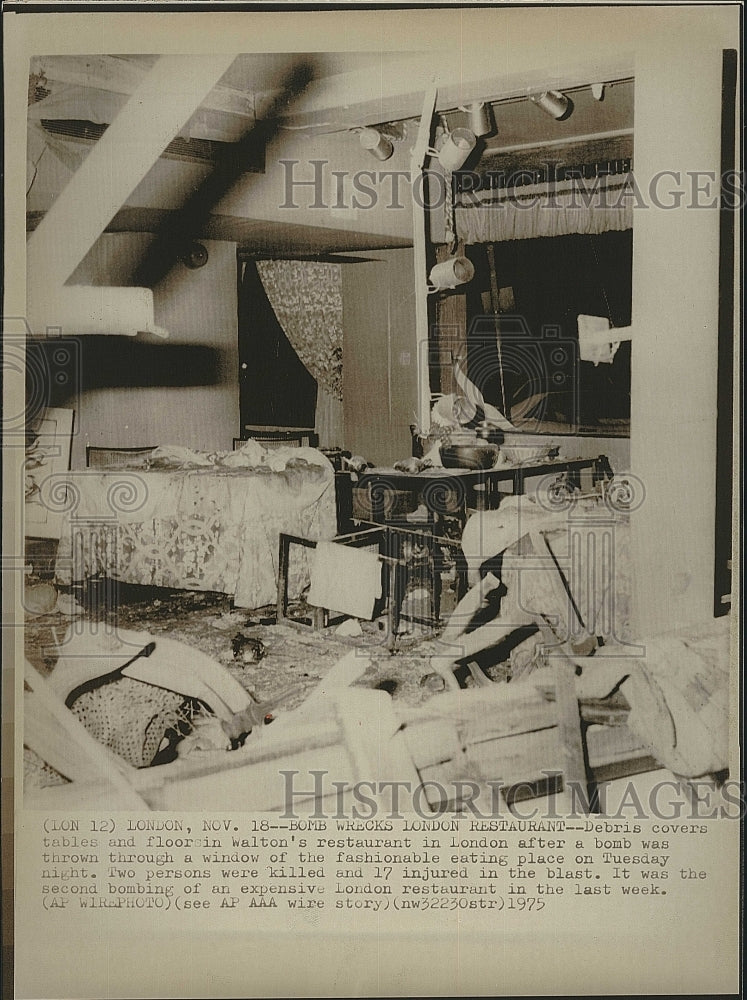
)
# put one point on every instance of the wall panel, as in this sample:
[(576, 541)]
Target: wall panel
[(198, 308), (379, 363)]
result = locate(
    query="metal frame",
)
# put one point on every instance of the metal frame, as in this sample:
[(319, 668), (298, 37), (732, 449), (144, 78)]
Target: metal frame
[(390, 540), (320, 616)]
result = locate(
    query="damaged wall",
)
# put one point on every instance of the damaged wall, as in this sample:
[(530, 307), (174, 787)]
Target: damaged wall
[(675, 351), (143, 391)]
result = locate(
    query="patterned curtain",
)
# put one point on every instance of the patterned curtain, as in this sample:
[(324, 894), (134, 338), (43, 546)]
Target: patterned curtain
[(307, 300)]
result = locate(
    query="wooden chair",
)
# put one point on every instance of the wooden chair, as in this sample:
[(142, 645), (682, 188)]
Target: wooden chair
[(99, 457), (337, 457), (516, 735), (321, 617)]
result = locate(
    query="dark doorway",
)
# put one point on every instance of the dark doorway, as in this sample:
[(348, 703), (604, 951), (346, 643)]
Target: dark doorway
[(275, 388)]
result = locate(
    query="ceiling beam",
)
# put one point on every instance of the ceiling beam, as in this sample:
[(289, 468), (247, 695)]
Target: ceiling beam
[(158, 108), (119, 75), (399, 92), (343, 100)]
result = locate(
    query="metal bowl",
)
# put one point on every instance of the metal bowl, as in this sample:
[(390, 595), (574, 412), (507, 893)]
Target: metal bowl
[(469, 456)]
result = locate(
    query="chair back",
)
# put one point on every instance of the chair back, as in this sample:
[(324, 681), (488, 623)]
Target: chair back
[(99, 457), (279, 437)]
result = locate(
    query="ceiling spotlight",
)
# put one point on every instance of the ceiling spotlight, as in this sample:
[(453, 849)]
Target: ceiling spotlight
[(480, 118), (450, 273), (377, 144), (456, 148), (553, 103)]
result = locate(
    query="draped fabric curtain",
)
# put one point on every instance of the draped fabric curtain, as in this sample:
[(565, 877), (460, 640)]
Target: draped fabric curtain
[(561, 208), (307, 300)]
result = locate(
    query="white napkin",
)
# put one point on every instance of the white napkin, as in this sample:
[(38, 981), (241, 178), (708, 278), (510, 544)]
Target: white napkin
[(345, 579)]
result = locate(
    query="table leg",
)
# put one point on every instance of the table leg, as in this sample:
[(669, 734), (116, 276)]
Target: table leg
[(283, 561)]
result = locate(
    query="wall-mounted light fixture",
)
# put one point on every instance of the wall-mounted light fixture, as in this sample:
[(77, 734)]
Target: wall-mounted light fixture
[(597, 91), (450, 273), (480, 118), (80, 310), (375, 143), (455, 149), (194, 256), (554, 103), (597, 341)]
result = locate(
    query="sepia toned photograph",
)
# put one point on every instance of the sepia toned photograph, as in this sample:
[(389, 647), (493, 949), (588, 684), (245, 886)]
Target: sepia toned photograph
[(371, 447)]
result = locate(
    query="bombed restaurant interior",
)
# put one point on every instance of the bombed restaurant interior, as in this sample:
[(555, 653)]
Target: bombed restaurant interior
[(378, 423)]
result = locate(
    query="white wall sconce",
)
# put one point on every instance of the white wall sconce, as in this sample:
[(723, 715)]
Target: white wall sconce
[(597, 91), (375, 143), (450, 273), (480, 118), (553, 103)]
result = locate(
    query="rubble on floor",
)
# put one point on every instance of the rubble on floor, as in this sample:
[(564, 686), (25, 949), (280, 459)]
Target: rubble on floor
[(288, 664), (291, 654)]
